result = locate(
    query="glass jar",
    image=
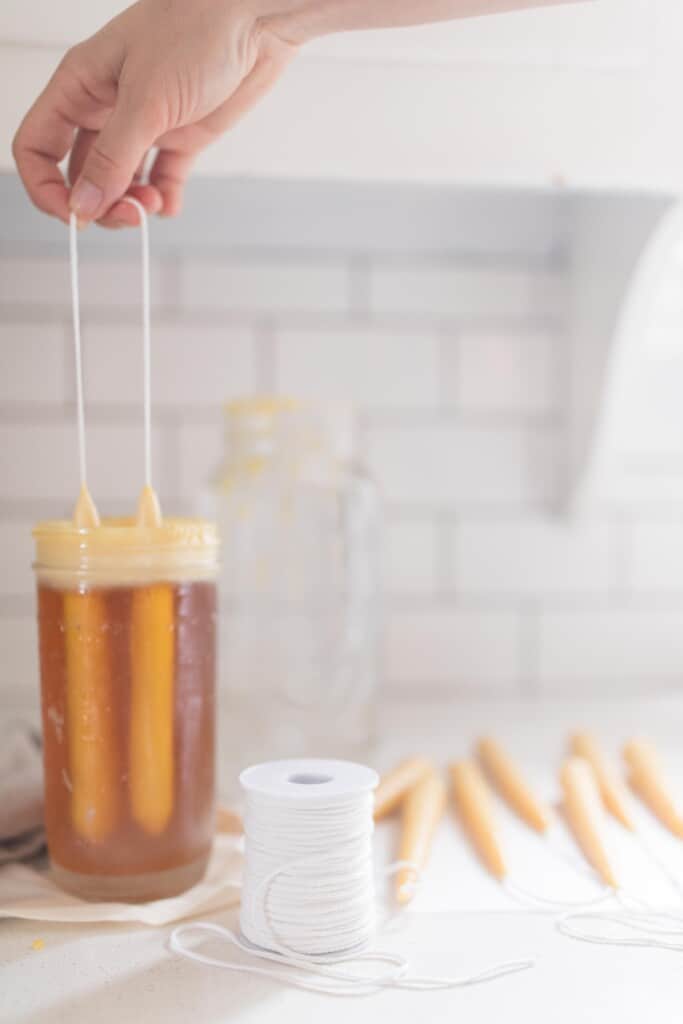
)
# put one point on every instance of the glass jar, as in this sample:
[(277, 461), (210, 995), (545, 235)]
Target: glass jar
[(126, 618), (298, 520)]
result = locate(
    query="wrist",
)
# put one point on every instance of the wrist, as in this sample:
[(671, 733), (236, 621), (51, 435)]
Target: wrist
[(299, 21)]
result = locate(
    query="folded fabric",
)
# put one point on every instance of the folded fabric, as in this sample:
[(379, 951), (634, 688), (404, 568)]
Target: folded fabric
[(32, 894), (22, 847), (21, 792)]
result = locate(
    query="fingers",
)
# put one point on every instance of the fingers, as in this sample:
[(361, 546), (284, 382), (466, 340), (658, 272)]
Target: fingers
[(169, 174), (121, 214), (83, 140), (112, 159), (46, 133), (43, 139)]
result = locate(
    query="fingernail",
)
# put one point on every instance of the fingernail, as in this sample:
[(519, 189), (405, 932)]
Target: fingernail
[(86, 199)]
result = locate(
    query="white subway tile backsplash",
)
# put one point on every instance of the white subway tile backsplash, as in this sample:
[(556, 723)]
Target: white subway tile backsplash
[(458, 365), (117, 284), (34, 282), (546, 467), (266, 286), (192, 364), (463, 292), (505, 371), (373, 367), (472, 650), (200, 451), (114, 284), (410, 557), (34, 461), (32, 358), (531, 558), (16, 578), (39, 462), (446, 464), (619, 648), (18, 653)]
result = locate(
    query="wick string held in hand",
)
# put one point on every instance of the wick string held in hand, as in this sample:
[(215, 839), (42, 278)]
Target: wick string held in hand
[(76, 314), (146, 336)]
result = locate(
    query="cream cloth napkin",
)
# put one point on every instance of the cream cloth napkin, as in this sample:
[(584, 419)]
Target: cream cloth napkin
[(31, 894), (21, 792)]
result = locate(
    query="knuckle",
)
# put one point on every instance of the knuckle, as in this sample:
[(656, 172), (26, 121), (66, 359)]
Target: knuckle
[(41, 203), (20, 140), (70, 61), (100, 160), (17, 146)]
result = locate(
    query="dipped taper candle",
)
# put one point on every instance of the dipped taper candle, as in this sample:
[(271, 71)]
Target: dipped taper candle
[(648, 780), (583, 808), (473, 804), (612, 789), (395, 784), (508, 780), (421, 811)]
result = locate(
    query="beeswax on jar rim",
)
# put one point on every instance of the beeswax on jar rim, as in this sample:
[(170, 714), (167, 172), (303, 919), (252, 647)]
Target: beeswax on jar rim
[(121, 551)]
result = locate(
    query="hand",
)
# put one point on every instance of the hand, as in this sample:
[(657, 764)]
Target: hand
[(170, 74)]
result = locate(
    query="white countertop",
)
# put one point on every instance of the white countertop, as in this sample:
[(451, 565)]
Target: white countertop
[(109, 974)]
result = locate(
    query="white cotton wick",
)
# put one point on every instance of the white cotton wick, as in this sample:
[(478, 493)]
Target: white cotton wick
[(149, 510), (85, 513)]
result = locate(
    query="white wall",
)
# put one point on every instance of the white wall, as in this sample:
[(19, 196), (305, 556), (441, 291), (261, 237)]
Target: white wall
[(444, 317)]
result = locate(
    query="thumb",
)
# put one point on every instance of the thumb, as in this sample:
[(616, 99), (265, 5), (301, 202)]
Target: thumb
[(113, 158)]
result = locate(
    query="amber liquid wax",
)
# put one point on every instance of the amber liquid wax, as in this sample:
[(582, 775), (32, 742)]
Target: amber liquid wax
[(127, 680)]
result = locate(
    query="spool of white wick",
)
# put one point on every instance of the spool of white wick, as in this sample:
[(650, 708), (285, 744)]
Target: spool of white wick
[(308, 884), (308, 897)]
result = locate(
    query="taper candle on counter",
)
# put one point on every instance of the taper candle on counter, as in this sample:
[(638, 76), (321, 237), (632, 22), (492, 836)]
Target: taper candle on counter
[(421, 811), (395, 784), (612, 789), (646, 777), (585, 815), (508, 780), (473, 804), (228, 821)]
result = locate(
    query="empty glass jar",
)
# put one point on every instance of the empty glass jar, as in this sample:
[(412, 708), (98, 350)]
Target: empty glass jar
[(298, 636)]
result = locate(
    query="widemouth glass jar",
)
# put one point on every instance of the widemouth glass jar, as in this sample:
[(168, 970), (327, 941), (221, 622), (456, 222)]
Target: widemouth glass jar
[(127, 635), (299, 519)]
